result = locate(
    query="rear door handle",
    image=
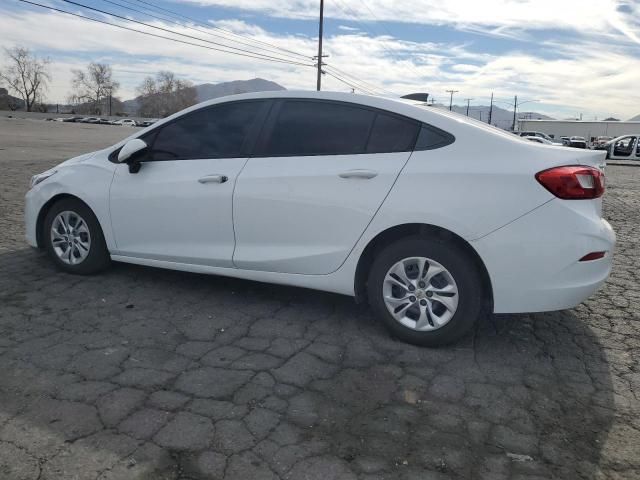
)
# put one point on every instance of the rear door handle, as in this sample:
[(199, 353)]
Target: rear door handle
[(215, 178), (359, 173)]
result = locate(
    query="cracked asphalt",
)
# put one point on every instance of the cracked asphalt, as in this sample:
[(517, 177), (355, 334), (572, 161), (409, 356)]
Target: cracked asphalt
[(149, 374)]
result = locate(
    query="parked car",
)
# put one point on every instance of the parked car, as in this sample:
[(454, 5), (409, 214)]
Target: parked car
[(540, 135), (89, 120), (601, 142), (566, 141), (364, 196), (626, 147), (147, 123), (544, 141), (577, 142), (125, 122), (73, 119)]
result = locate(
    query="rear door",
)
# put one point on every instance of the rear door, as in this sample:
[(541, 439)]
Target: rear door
[(317, 178)]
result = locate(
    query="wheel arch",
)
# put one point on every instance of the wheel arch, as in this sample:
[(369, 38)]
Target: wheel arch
[(398, 232), (42, 214)]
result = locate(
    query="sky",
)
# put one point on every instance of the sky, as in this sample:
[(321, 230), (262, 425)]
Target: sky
[(563, 58)]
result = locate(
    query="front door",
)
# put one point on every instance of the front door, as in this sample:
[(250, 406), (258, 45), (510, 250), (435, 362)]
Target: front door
[(178, 206), (624, 148), (320, 172)]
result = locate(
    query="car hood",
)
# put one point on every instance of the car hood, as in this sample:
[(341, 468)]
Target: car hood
[(75, 160)]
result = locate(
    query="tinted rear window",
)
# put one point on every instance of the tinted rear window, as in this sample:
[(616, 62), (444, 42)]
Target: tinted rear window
[(319, 128), (392, 134), (431, 137)]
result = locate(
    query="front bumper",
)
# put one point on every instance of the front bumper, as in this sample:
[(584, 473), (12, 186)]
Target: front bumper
[(533, 262), (33, 203)]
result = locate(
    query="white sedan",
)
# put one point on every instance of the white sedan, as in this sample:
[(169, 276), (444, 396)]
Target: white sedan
[(432, 217), (544, 141), (125, 122)]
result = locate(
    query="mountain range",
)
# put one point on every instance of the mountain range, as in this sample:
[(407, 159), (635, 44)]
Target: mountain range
[(207, 91), (500, 117)]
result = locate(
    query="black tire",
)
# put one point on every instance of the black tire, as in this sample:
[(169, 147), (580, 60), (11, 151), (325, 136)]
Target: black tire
[(462, 267), (98, 257)]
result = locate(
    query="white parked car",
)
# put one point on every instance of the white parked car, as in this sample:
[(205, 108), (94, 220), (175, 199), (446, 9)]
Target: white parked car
[(626, 147), (528, 135), (541, 140), (125, 122), (432, 217)]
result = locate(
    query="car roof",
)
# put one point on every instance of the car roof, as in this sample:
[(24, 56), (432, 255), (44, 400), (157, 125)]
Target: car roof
[(416, 109), (442, 118)]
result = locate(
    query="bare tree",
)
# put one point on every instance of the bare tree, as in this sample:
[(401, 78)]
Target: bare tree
[(26, 74), (164, 95), (94, 86)]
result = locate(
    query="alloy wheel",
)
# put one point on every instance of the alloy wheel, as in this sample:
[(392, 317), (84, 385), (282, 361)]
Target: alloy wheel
[(70, 237), (420, 293)]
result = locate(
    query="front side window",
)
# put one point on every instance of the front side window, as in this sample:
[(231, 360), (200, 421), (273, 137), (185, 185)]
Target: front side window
[(216, 132)]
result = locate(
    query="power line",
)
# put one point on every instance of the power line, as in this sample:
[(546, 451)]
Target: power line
[(354, 83), (155, 34), (173, 31), (360, 87), (468, 103), (347, 82), (364, 85), (451, 99), (320, 27), (176, 14), (167, 18)]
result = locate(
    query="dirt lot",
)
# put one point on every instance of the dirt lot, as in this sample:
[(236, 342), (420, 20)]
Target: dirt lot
[(151, 374)]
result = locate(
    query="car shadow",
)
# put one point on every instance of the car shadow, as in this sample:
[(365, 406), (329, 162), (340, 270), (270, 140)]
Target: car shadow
[(147, 373)]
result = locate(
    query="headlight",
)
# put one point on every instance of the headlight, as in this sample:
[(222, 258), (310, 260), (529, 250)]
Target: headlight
[(36, 179)]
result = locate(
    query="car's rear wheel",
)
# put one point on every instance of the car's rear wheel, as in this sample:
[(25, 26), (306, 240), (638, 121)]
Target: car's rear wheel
[(426, 291), (73, 238)]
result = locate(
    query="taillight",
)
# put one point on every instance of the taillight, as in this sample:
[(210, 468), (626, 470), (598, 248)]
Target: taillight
[(576, 182), (592, 256)]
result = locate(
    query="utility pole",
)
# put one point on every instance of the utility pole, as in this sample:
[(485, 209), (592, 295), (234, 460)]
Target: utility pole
[(468, 102), (515, 107), (319, 82), (490, 109), (451, 99)]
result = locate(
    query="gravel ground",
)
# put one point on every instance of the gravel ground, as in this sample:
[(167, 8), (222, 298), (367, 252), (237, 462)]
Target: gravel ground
[(149, 374)]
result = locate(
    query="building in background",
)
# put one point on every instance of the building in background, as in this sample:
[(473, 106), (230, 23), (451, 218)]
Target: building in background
[(590, 130)]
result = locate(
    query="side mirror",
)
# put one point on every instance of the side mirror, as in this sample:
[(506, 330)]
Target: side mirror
[(130, 148)]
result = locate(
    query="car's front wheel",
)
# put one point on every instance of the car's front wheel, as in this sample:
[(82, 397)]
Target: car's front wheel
[(73, 238), (426, 291)]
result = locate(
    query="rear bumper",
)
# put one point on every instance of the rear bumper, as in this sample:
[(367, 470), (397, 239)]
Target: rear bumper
[(534, 264)]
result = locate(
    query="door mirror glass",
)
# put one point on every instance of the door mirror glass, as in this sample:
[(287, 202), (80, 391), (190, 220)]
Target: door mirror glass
[(131, 148)]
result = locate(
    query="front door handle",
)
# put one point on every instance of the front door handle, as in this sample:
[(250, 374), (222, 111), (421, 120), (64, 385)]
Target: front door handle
[(216, 178), (359, 173)]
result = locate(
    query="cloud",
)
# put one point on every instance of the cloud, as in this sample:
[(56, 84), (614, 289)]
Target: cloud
[(579, 76), (530, 14), (347, 28)]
